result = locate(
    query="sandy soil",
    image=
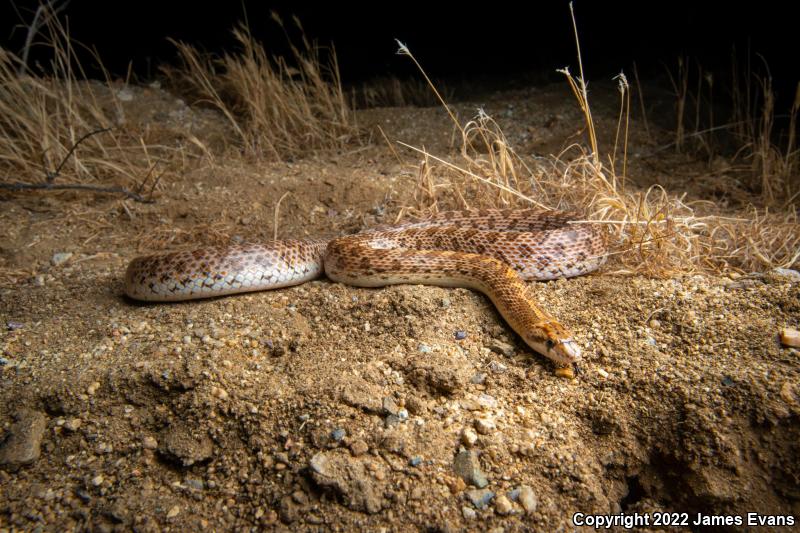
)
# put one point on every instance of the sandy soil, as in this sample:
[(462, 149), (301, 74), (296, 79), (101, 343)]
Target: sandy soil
[(328, 407)]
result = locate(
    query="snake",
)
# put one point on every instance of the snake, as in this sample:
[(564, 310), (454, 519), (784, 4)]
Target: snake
[(493, 251)]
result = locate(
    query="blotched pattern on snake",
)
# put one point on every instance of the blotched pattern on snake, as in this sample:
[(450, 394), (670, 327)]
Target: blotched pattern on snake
[(491, 251)]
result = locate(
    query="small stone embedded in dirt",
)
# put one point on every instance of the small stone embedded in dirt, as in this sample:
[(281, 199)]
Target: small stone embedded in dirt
[(503, 505), (149, 443), (424, 348), (390, 406), (185, 444), (484, 426), (501, 347), (13, 326), (480, 498), (478, 379), (788, 273), (22, 444), (359, 447), (468, 467), (415, 406), (59, 258), (338, 434), (391, 421), (460, 335), (173, 511), (790, 337), (98, 480), (527, 498), (468, 513), (73, 424), (469, 437), (497, 367), (350, 477), (92, 389), (194, 483), (440, 372), (415, 461), (363, 395)]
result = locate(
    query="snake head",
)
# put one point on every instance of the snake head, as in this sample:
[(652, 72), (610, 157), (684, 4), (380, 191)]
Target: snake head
[(562, 350)]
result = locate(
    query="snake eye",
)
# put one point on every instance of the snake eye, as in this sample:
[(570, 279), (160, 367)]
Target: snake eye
[(549, 343)]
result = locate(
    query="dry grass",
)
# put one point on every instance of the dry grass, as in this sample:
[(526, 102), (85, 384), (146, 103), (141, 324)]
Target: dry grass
[(277, 109), (391, 91), (652, 231), (45, 120)]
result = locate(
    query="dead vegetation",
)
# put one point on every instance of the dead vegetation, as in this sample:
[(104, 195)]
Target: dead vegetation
[(277, 109), (654, 231)]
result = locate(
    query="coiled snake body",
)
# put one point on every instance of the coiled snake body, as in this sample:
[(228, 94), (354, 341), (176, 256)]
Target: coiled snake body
[(491, 251)]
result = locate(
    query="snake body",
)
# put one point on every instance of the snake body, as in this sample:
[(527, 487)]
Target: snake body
[(491, 251)]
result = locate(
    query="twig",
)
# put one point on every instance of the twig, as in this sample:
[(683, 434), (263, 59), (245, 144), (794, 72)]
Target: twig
[(53, 175), (75, 186), (36, 25)]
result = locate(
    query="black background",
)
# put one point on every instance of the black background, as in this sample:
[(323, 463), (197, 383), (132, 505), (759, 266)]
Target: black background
[(492, 40)]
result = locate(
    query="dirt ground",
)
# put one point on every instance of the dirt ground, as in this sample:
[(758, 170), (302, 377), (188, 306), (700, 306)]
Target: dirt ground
[(325, 407)]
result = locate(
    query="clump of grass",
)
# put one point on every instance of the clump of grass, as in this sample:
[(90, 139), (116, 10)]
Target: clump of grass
[(60, 130), (651, 231), (278, 109)]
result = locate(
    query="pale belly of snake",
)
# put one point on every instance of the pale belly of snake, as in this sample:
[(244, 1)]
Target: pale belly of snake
[(491, 251)]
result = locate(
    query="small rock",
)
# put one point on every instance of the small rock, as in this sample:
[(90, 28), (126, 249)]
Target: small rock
[(484, 426), (460, 335), (469, 437), (126, 95), (73, 424), (91, 389), (527, 498), (186, 444), (194, 483), (503, 505), (149, 443), (358, 481), (13, 326), (468, 513), (391, 421), (602, 372), (424, 348), (174, 511), (338, 434), (501, 347), (480, 498), (22, 445), (219, 393), (359, 447), (446, 302), (98, 480), (468, 467), (415, 406), (415, 461), (478, 379), (390, 406), (728, 381), (790, 337), (60, 258), (487, 402), (497, 367)]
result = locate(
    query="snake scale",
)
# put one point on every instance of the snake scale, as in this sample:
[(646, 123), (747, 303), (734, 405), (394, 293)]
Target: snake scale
[(491, 251)]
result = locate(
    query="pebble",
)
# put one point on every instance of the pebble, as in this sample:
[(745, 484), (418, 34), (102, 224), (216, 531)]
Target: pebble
[(487, 402), (73, 424), (187, 444), (469, 437), (446, 302), (497, 367), (415, 461), (460, 335), (174, 511), (501, 347), (219, 393), (59, 258), (478, 379), (790, 337), (91, 389), (565, 372), (390, 406), (125, 94), (194, 483), (13, 326), (98, 480), (468, 513), (149, 443), (527, 498), (728, 381), (338, 434), (484, 426), (359, 447), (503, 505), (480, 498), (424, 348), (22, 445), (468, 467)]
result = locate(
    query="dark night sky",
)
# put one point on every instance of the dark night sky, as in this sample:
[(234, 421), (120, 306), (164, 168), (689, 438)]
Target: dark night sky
[(488, 40)]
